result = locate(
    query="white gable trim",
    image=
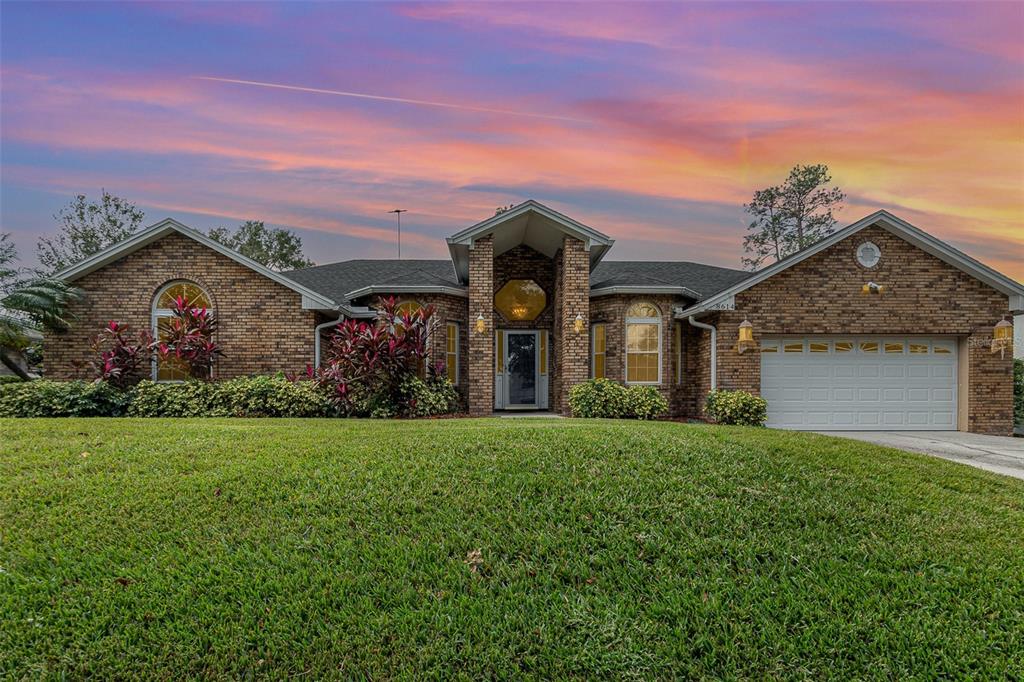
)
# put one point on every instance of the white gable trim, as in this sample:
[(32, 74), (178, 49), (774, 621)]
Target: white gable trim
[(311, 300), (461, 243), (896, 226), (577, 229)]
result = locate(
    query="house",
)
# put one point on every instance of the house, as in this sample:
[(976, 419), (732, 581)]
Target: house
[(879, 326)]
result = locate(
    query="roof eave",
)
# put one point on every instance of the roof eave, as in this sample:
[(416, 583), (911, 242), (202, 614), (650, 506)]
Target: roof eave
[(406, 289), (310, 299), (641, 290), (914, 235)]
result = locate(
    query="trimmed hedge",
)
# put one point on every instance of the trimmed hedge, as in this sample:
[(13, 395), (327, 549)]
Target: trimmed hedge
[(258, 396), (45, 398), (604, 398), (736, 408)]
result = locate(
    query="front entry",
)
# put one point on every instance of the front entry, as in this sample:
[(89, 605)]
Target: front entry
[(520, 381)]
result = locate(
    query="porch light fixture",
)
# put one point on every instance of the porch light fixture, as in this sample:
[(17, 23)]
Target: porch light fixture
[(872, 288), (578, 324), (1002, 337), (746, 339), (481, 325)]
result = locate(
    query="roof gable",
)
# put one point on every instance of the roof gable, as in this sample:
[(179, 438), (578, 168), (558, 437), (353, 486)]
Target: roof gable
[(310, 298), (895, 225), (531, 223)]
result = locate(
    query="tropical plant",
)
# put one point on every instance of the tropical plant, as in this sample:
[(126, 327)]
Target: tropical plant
[(119, 358), (187, 339), (27, 301), (367, 363), (87, 227)]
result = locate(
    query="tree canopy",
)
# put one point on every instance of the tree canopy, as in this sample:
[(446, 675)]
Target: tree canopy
[(275, 247), (87, 227), (788, 218)]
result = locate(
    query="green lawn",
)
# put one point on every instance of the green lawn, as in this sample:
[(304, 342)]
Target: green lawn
[(233, 548)]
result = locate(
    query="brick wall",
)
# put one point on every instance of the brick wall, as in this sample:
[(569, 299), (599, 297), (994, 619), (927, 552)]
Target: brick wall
[(923, 295), (572, 298), (262, 326), (611, 310), (480, 361)]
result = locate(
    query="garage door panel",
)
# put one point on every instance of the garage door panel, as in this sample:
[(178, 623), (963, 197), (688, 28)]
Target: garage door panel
[(893, 383)]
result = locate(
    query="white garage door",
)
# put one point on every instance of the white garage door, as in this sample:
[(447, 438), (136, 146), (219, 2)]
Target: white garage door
[(875, 383)]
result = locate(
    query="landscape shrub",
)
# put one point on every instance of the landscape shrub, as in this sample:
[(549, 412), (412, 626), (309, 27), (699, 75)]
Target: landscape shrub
[(44, 398), (737, 408), (258, 396), (1018, 392), (607, 399), (598, 398), (274, 396), (10, 379), (645, 402), (191, 398)]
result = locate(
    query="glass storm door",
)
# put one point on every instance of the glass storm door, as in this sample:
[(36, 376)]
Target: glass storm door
[(521, 369)]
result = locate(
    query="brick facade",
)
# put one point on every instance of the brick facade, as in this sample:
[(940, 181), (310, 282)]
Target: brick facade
[(572, 298), (480, 393), (923, 295), (611, 311), (262, 326)]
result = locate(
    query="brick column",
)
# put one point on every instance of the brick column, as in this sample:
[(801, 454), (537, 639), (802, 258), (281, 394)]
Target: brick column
[(480, 360), (572, 298)]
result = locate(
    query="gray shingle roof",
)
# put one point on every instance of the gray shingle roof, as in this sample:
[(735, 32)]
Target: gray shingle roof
[(704, 279), (337, 279)]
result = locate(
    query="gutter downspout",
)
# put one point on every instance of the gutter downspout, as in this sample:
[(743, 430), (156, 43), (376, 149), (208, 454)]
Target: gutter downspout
[(316, 338), (714, 348)]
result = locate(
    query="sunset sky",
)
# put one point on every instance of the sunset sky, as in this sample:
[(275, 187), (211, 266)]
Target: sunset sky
[(650, 122)]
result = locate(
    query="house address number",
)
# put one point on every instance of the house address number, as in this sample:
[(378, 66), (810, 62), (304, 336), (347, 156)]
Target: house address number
[(729, 304)]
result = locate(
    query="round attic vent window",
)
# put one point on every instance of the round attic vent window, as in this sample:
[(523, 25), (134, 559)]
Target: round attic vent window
[(868, 254)]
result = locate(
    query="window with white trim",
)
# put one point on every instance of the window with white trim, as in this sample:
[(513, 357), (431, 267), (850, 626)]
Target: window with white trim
[(643, 344), (598, 346), (195, 296), (451, 358)]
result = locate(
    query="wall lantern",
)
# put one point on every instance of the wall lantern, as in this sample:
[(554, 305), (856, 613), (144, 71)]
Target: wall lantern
[(1002, 337), (578, 324), (872, 288), (481, 325), (746, 339)]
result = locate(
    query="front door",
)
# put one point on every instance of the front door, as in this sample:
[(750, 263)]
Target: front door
[(521, 369), (521, 380)]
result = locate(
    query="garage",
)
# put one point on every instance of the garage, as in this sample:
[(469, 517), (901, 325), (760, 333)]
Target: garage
[(860, 383)]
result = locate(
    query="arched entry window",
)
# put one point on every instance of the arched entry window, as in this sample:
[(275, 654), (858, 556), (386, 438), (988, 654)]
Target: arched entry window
[(643, 344), (163, 311)]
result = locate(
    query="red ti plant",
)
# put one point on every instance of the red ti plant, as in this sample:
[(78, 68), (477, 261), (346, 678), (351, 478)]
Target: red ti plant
[(365, 360), (187, 339), (120, 359)]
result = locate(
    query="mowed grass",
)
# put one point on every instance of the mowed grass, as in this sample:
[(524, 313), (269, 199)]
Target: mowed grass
[(497, 548)]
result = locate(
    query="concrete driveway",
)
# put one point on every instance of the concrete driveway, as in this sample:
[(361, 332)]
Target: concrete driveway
[(1001, 454)]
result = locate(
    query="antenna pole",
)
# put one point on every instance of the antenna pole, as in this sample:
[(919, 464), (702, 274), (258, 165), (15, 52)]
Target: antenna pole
[(398, 214)]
